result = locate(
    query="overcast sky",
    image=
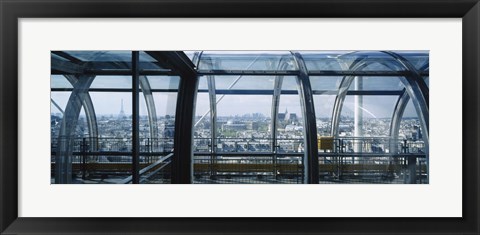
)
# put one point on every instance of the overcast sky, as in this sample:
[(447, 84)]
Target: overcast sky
[(231, 105)]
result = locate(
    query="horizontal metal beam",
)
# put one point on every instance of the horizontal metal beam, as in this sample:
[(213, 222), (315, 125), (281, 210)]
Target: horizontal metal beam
[(67, 56), (247, 72), (62, 67), (176, 60), (65, 70), (310, 73), (247, 154), (295, 92), (115, 153), (362, 73), (113, 90), (369, 155), (375, 92), (240, 92)]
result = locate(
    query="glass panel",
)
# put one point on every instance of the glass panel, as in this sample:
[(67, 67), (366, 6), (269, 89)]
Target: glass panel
[(202, 124), (56, 113), (244, 117), (325, 83), (247, 60), (324, 60), (112, 82), (244, 82), (157, 141), (373, 114), (59, 81), (376, 84), (290, 127), (106, 56), (164, 82), (114, 116), (410, 125), (323, 112), (202, 83), (419, 59), (347, 60), (58, 57)]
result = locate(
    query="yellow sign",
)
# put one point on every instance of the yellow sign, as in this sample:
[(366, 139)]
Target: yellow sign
[(325, 142)]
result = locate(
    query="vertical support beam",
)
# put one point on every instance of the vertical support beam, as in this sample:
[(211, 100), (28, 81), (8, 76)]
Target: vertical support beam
[(308, 109), (213, 121), (412, 169), (358, 119), (182, 165), (135, 118), (277, 89)]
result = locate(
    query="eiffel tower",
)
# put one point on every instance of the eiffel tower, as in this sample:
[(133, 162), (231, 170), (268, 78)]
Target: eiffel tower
[(122, 113)]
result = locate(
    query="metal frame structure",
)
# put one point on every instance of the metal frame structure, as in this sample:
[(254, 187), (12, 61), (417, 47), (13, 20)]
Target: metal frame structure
[(63, 158), (178, 64)]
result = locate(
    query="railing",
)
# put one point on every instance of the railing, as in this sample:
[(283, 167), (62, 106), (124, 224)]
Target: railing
[(375, 145), (372, 168), (101, 144), (255, 145), (248, 168), (255, 160), (109, 160), (373, 160)]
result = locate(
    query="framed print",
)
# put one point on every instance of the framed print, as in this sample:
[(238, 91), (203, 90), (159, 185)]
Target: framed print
[(239, 117)]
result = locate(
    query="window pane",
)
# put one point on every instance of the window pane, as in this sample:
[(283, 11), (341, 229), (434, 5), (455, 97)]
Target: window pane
[(245, 60), (323, 111), (59, 81), (112, 82), (376, 84)]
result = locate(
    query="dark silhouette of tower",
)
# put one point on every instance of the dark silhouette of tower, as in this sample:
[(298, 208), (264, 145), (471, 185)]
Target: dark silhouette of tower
[(122, 113)]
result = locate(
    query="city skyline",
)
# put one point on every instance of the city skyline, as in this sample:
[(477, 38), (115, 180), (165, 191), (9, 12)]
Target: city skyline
[(381, 108)]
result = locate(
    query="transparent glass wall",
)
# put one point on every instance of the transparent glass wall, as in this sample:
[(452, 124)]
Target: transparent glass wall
[(249, 123), (159, 94)]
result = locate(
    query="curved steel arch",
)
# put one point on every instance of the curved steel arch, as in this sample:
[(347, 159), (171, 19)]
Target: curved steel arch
[(63, 157), (417, 89), (311, 170), (397, 116), (212, 97), (397, 119), (358, 64), (150, 102), (399, 111), (277, 90), (342, 93), (90, 114)]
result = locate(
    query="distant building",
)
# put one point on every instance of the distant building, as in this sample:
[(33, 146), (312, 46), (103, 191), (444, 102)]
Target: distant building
[(234, 126), (293, 118)]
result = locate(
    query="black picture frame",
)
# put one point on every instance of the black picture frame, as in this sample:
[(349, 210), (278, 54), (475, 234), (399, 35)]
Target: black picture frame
[(12, 10)]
